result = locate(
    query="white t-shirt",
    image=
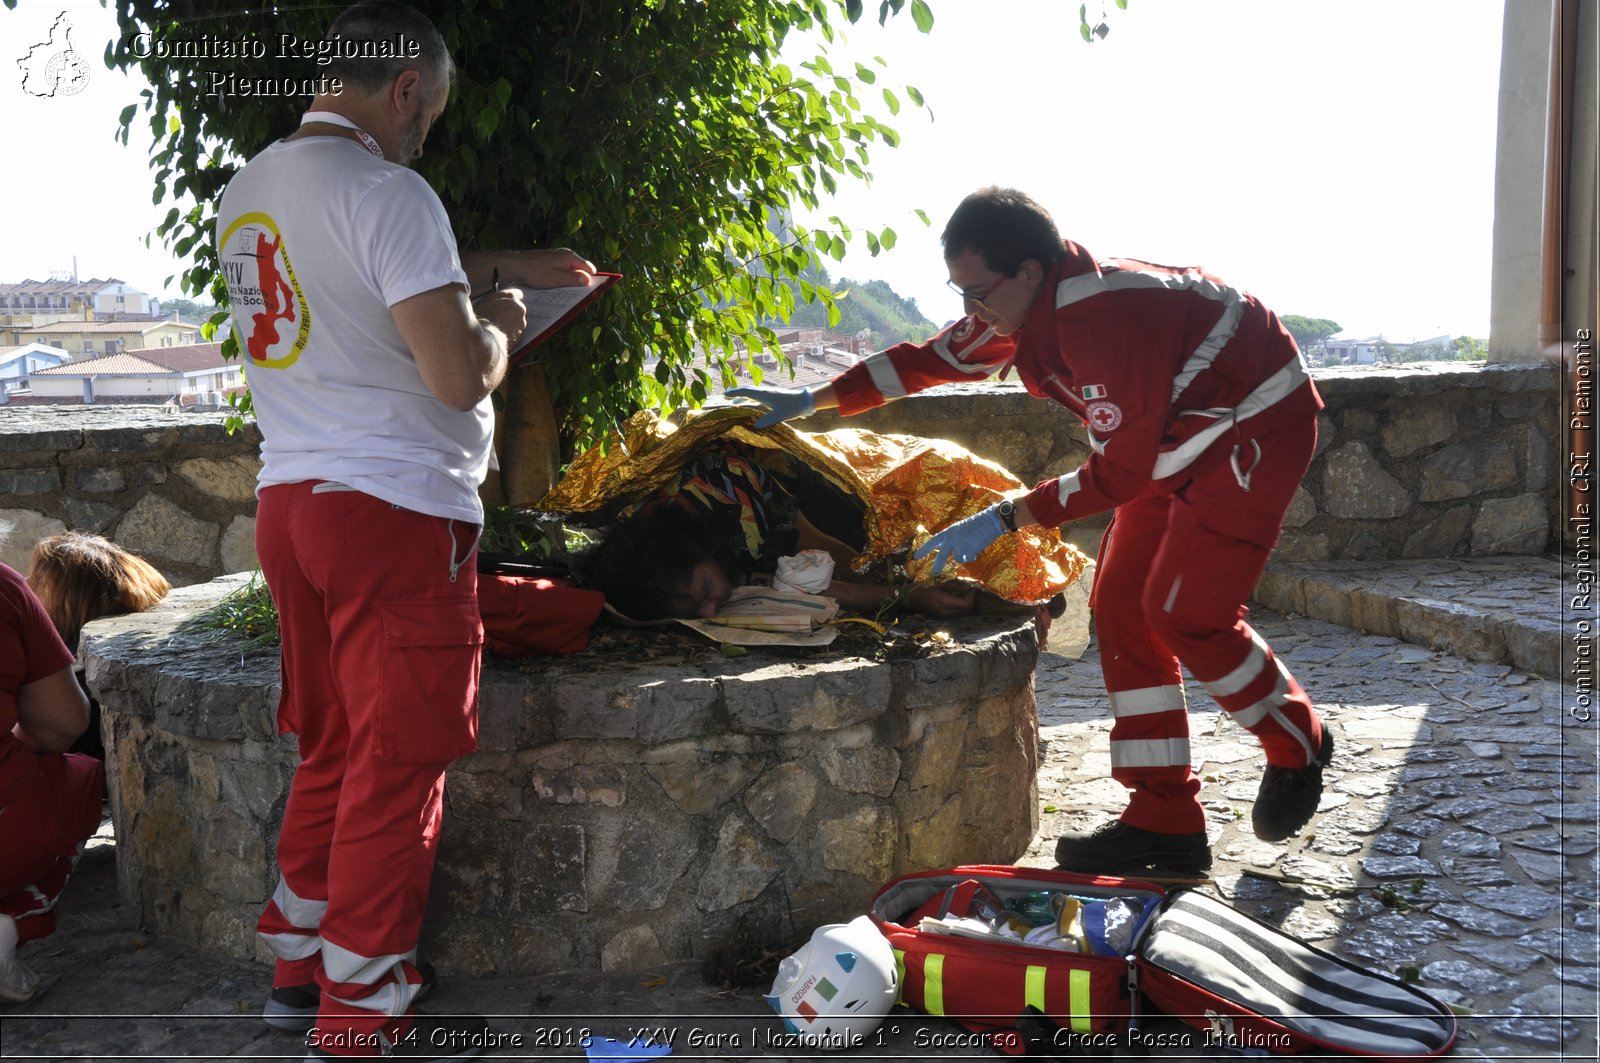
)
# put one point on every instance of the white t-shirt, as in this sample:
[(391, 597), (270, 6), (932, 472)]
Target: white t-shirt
[(317, 239)]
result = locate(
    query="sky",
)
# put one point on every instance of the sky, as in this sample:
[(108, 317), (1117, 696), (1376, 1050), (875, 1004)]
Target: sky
[(1334, 157)]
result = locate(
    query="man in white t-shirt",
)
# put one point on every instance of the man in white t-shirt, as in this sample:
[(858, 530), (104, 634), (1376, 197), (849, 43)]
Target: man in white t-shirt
[(371, 367)]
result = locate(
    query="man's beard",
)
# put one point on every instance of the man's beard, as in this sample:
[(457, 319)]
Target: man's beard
[(411, 141)]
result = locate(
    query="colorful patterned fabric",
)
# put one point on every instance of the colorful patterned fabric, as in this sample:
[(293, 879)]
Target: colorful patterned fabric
[(909, 486)]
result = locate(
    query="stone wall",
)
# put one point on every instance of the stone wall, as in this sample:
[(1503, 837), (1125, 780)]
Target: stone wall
[(175, 488), (1416, 461), (619, 813), (1413, 461)]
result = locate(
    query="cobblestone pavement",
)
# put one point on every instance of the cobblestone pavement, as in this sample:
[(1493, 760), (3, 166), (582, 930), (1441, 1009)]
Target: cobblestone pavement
[(1456, 846)]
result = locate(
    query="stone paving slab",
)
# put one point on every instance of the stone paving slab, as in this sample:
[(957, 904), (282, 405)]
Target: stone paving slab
[(1456, 846), (1503, 609)]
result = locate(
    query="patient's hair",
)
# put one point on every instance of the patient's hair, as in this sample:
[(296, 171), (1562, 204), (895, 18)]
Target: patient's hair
[(81, 577), (647, 559)]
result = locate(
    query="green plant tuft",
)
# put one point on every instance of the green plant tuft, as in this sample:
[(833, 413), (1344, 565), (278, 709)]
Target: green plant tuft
[(247, 614)]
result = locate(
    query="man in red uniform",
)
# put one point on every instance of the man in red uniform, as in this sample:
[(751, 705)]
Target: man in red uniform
[(1202, 422)]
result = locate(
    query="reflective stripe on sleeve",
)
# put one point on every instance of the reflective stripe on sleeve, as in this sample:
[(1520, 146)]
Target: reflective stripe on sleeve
[(884, 377), (1067, 485)]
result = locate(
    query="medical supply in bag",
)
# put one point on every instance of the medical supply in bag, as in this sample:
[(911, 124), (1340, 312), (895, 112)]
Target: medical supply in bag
[(1151, 948)]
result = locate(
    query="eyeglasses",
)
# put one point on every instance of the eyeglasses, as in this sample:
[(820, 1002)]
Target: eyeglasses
[(982, 303)]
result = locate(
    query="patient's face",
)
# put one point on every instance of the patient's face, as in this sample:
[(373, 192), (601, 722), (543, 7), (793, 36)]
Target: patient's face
[(703, 593)]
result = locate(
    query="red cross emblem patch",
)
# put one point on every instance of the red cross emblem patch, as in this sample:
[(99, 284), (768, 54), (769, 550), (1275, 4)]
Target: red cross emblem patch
[(1104, 416)]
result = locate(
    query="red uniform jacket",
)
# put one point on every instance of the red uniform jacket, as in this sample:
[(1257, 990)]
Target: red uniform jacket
[(1169, 368)]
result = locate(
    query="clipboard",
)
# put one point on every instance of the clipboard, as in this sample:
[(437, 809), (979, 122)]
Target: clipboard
[(551, 309)]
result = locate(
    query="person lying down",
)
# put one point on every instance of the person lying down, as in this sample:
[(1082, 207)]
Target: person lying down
[(688, 514)]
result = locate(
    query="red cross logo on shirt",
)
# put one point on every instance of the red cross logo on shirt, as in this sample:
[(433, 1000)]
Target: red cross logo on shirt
[(1104, 416)]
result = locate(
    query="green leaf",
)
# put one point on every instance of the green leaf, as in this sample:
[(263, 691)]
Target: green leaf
[(922, 15), (488, 121), (655, 138)]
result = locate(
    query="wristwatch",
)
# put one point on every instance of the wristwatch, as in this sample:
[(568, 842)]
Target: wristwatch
[(1008, 514)]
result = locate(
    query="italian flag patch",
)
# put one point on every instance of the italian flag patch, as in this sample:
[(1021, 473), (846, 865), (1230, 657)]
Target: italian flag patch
[(1093, 391)]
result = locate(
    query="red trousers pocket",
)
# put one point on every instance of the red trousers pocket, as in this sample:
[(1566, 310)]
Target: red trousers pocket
[(428, 676)]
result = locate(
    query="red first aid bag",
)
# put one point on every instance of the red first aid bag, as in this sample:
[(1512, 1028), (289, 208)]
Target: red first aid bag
[(525, 615), (1248, 985)]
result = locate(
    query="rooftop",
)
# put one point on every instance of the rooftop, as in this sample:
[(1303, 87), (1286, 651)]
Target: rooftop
[(73, 328), (29, 286), (192, 358)]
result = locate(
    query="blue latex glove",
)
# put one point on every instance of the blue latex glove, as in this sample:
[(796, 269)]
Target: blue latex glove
[(963, 540), (783, 404)]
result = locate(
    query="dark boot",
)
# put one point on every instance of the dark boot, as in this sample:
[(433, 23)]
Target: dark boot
[(1117, 847), (1288, 797)]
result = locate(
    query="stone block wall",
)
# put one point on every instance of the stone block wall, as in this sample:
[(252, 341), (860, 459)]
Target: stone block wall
[(1416, 461), (175, 488), (1425, 460), (619, 813)]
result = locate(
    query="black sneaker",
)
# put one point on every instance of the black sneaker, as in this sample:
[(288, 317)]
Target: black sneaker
[(1116, 846), (430, 1037), (1288, 797), (293, 1008)]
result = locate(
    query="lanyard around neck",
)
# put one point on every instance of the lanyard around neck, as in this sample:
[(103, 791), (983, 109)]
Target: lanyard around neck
[(368, 141)]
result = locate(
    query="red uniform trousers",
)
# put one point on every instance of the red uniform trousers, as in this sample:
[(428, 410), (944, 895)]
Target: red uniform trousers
[(381, 645), (1174, 572), (44, 821)]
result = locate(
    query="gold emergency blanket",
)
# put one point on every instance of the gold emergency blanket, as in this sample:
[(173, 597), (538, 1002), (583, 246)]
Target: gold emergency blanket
[(911, 486)]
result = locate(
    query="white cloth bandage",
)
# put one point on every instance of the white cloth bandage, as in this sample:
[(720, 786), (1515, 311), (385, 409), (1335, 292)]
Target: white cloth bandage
[(809, 572)]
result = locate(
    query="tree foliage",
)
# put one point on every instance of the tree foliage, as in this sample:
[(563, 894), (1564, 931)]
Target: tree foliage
[(653, 136), (1309, 332)]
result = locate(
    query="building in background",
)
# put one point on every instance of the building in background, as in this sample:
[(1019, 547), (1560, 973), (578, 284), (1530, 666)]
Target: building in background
[(192, 376), (18, 362), (82, 338), (29, 302)]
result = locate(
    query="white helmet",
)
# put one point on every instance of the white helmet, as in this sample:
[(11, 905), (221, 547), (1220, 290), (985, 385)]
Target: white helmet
[(836, 990)]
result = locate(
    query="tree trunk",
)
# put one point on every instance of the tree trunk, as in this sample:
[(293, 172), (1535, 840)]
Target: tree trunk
[(527, 438)]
